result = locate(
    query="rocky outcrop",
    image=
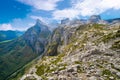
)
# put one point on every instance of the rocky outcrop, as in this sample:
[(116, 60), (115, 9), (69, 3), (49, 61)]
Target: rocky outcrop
[(65, 21), (94, 19), (84, 52), (60, 36), (37, 36)]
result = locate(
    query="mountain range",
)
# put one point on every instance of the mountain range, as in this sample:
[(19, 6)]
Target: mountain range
[(16, 53), (9, 35), (75, 50)]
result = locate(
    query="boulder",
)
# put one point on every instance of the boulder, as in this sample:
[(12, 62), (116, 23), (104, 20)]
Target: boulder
[(92, 78), (111, 78), (118, 74), (70, 70)]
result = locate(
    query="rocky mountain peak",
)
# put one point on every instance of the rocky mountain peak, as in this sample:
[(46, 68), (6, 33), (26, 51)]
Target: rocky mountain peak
[(40, 25), (36, 36), (94, 18), (84, 52), (39, 22), (97, 17), (64, 21)]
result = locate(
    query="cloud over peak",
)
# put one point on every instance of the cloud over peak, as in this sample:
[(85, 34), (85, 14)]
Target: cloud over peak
[(86, 8)]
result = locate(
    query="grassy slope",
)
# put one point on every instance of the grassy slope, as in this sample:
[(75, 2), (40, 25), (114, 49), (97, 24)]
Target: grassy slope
[(14, 55)]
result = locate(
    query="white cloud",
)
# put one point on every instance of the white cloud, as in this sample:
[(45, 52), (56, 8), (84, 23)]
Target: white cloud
[(18, 24), (90, 7), (66, 13), (21, 24), (6, 27), (86, 8), (41, 4), (31, 24)]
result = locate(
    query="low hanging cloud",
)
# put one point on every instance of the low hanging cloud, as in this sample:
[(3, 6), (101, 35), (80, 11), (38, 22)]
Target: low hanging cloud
[(86, 8), (41, 4), (21, 24), (17, 24), (6, 27)]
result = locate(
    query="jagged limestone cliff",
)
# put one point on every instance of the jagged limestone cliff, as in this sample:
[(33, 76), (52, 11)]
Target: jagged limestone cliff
[(84, 52)]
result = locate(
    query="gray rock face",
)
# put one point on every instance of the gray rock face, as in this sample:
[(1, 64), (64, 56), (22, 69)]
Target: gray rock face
[(92, 78), (118, 74), (64, 21), (94, 19), (60, 36), (87, 50), (36, 36), (111, 78), (70, 70)]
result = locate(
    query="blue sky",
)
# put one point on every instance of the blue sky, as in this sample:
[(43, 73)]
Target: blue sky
[(21, 14)]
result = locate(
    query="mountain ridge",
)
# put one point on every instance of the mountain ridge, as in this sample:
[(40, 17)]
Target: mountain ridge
[(72, 42), (87, 51), (9, 35), (20, 51)]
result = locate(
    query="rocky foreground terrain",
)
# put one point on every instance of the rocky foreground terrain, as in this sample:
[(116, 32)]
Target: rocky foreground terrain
[(87, 52), (80, 52)]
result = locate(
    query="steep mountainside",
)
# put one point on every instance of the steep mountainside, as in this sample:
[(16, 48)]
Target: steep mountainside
[(18, 52), (9, 35), (85, 52)]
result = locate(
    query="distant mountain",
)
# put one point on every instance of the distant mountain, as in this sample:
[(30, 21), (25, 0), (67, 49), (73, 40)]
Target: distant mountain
[(97, 19), (18, 52), (9, 35), (116, 20), (94, 19), (64, 21)]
